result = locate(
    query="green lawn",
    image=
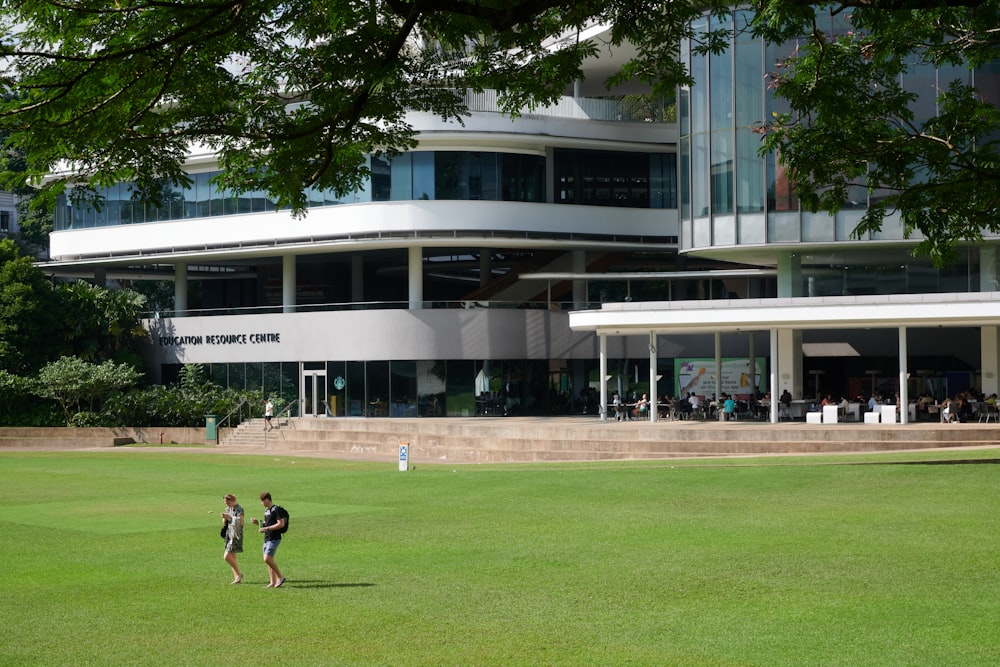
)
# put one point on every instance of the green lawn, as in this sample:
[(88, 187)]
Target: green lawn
[(114, 558)]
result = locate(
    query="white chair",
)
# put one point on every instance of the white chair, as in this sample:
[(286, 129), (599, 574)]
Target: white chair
[(831, 414), (888, 414), (872, 417)]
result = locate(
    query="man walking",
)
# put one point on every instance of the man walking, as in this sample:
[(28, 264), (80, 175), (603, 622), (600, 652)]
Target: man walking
[(274, 523)]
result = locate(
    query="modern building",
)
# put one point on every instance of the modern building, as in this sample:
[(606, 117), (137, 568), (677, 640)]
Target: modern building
[(470, 275)]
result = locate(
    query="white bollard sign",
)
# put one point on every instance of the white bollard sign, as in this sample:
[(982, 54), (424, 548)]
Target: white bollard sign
[(404, 456)]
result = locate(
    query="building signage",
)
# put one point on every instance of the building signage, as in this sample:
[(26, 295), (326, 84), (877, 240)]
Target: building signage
[(220, 339)]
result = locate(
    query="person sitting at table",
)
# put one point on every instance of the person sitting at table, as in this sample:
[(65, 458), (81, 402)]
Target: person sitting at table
[(616, 402), (675, 408), (663, 406), (641, 408), (964, 408), (947, 412), (694, 403), (728, 408)]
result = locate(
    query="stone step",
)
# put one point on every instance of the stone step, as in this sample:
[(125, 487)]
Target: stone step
[(578, 439)]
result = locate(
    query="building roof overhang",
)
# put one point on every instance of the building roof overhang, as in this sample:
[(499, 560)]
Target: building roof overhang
[(846, 312)]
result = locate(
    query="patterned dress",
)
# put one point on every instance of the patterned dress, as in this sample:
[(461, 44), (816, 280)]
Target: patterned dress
[(234, 536)]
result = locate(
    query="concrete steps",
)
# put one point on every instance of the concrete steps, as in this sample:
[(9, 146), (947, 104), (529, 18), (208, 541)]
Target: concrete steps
[(584, 438)]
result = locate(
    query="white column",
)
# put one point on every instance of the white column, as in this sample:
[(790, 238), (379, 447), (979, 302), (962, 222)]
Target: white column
[(602, 410), (989, 350), (415, 279), (718, 375), (288, 279), (790, 361), (904, 402), (773, 379), (652, 376), (180, 289)]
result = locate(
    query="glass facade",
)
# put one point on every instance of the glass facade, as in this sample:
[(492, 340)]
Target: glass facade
[(591, 178), (404, 388), (730, 195), (615, 178)]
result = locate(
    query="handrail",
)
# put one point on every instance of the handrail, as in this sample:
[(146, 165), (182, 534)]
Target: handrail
[(287, 412), (238, 408)]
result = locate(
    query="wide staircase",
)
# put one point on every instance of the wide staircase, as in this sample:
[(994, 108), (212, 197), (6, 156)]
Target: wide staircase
[(518, 439)]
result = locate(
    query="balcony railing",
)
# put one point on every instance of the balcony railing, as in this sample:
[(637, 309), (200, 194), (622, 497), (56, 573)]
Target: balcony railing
[(623, 108)]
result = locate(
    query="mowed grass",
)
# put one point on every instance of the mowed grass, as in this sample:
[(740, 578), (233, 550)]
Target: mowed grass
[(114, 558)]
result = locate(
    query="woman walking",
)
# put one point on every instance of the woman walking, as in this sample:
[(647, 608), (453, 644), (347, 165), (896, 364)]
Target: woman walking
[(233, 518)]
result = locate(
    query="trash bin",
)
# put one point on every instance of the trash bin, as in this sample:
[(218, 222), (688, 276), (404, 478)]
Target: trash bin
[(211, 429)]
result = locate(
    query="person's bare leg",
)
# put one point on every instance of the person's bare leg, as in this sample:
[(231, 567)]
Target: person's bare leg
[(273, 571), (230, 558)]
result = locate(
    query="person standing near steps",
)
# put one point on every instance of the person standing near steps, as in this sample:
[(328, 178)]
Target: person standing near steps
[(268, 414), (274, 521)]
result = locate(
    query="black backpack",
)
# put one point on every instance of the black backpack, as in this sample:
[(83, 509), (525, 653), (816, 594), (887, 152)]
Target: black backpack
[(282, 512)]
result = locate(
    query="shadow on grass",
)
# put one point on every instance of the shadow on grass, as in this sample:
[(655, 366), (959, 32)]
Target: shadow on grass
[(946, 462), (310, 583)]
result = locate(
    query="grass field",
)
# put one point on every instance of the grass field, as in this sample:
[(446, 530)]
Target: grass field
[(114, 558)]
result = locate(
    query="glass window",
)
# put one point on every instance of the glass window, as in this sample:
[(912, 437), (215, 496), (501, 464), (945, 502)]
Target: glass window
[(523, 178), (381, 184), (354, 389), (403, 383), (402, 177), (336, 389), (423, 175), (460, 393), (431, 391)]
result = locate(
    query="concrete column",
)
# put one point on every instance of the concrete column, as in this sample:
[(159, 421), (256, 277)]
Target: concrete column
[(752, 353), (416, 277), (180, 289), (579, 286), (904, 403), (288, 279), (718, 375), (790, 361), (101, 277), (989, 350), (652, 376), (602, 409), (357, 278), (772, 382)]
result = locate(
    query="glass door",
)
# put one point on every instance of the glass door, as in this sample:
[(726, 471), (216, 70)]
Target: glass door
[(313, 393)]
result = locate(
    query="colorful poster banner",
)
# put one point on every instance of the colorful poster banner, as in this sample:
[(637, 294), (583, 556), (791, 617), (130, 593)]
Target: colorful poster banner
[(698, 376)]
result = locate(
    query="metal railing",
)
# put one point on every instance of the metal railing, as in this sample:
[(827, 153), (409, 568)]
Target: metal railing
[(237, 410)]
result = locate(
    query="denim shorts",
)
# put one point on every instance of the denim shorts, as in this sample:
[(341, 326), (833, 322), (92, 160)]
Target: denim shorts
[(271, 546)]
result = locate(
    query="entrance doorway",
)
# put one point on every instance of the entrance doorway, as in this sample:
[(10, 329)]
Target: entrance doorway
[(313, 392)]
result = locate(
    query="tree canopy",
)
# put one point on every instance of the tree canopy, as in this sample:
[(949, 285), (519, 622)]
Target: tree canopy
[(293, 94)]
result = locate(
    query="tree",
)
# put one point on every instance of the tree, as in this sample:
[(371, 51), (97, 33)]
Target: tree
[(98, 323), (852, 127), (292, 94), (73, 383), (28, 313)]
